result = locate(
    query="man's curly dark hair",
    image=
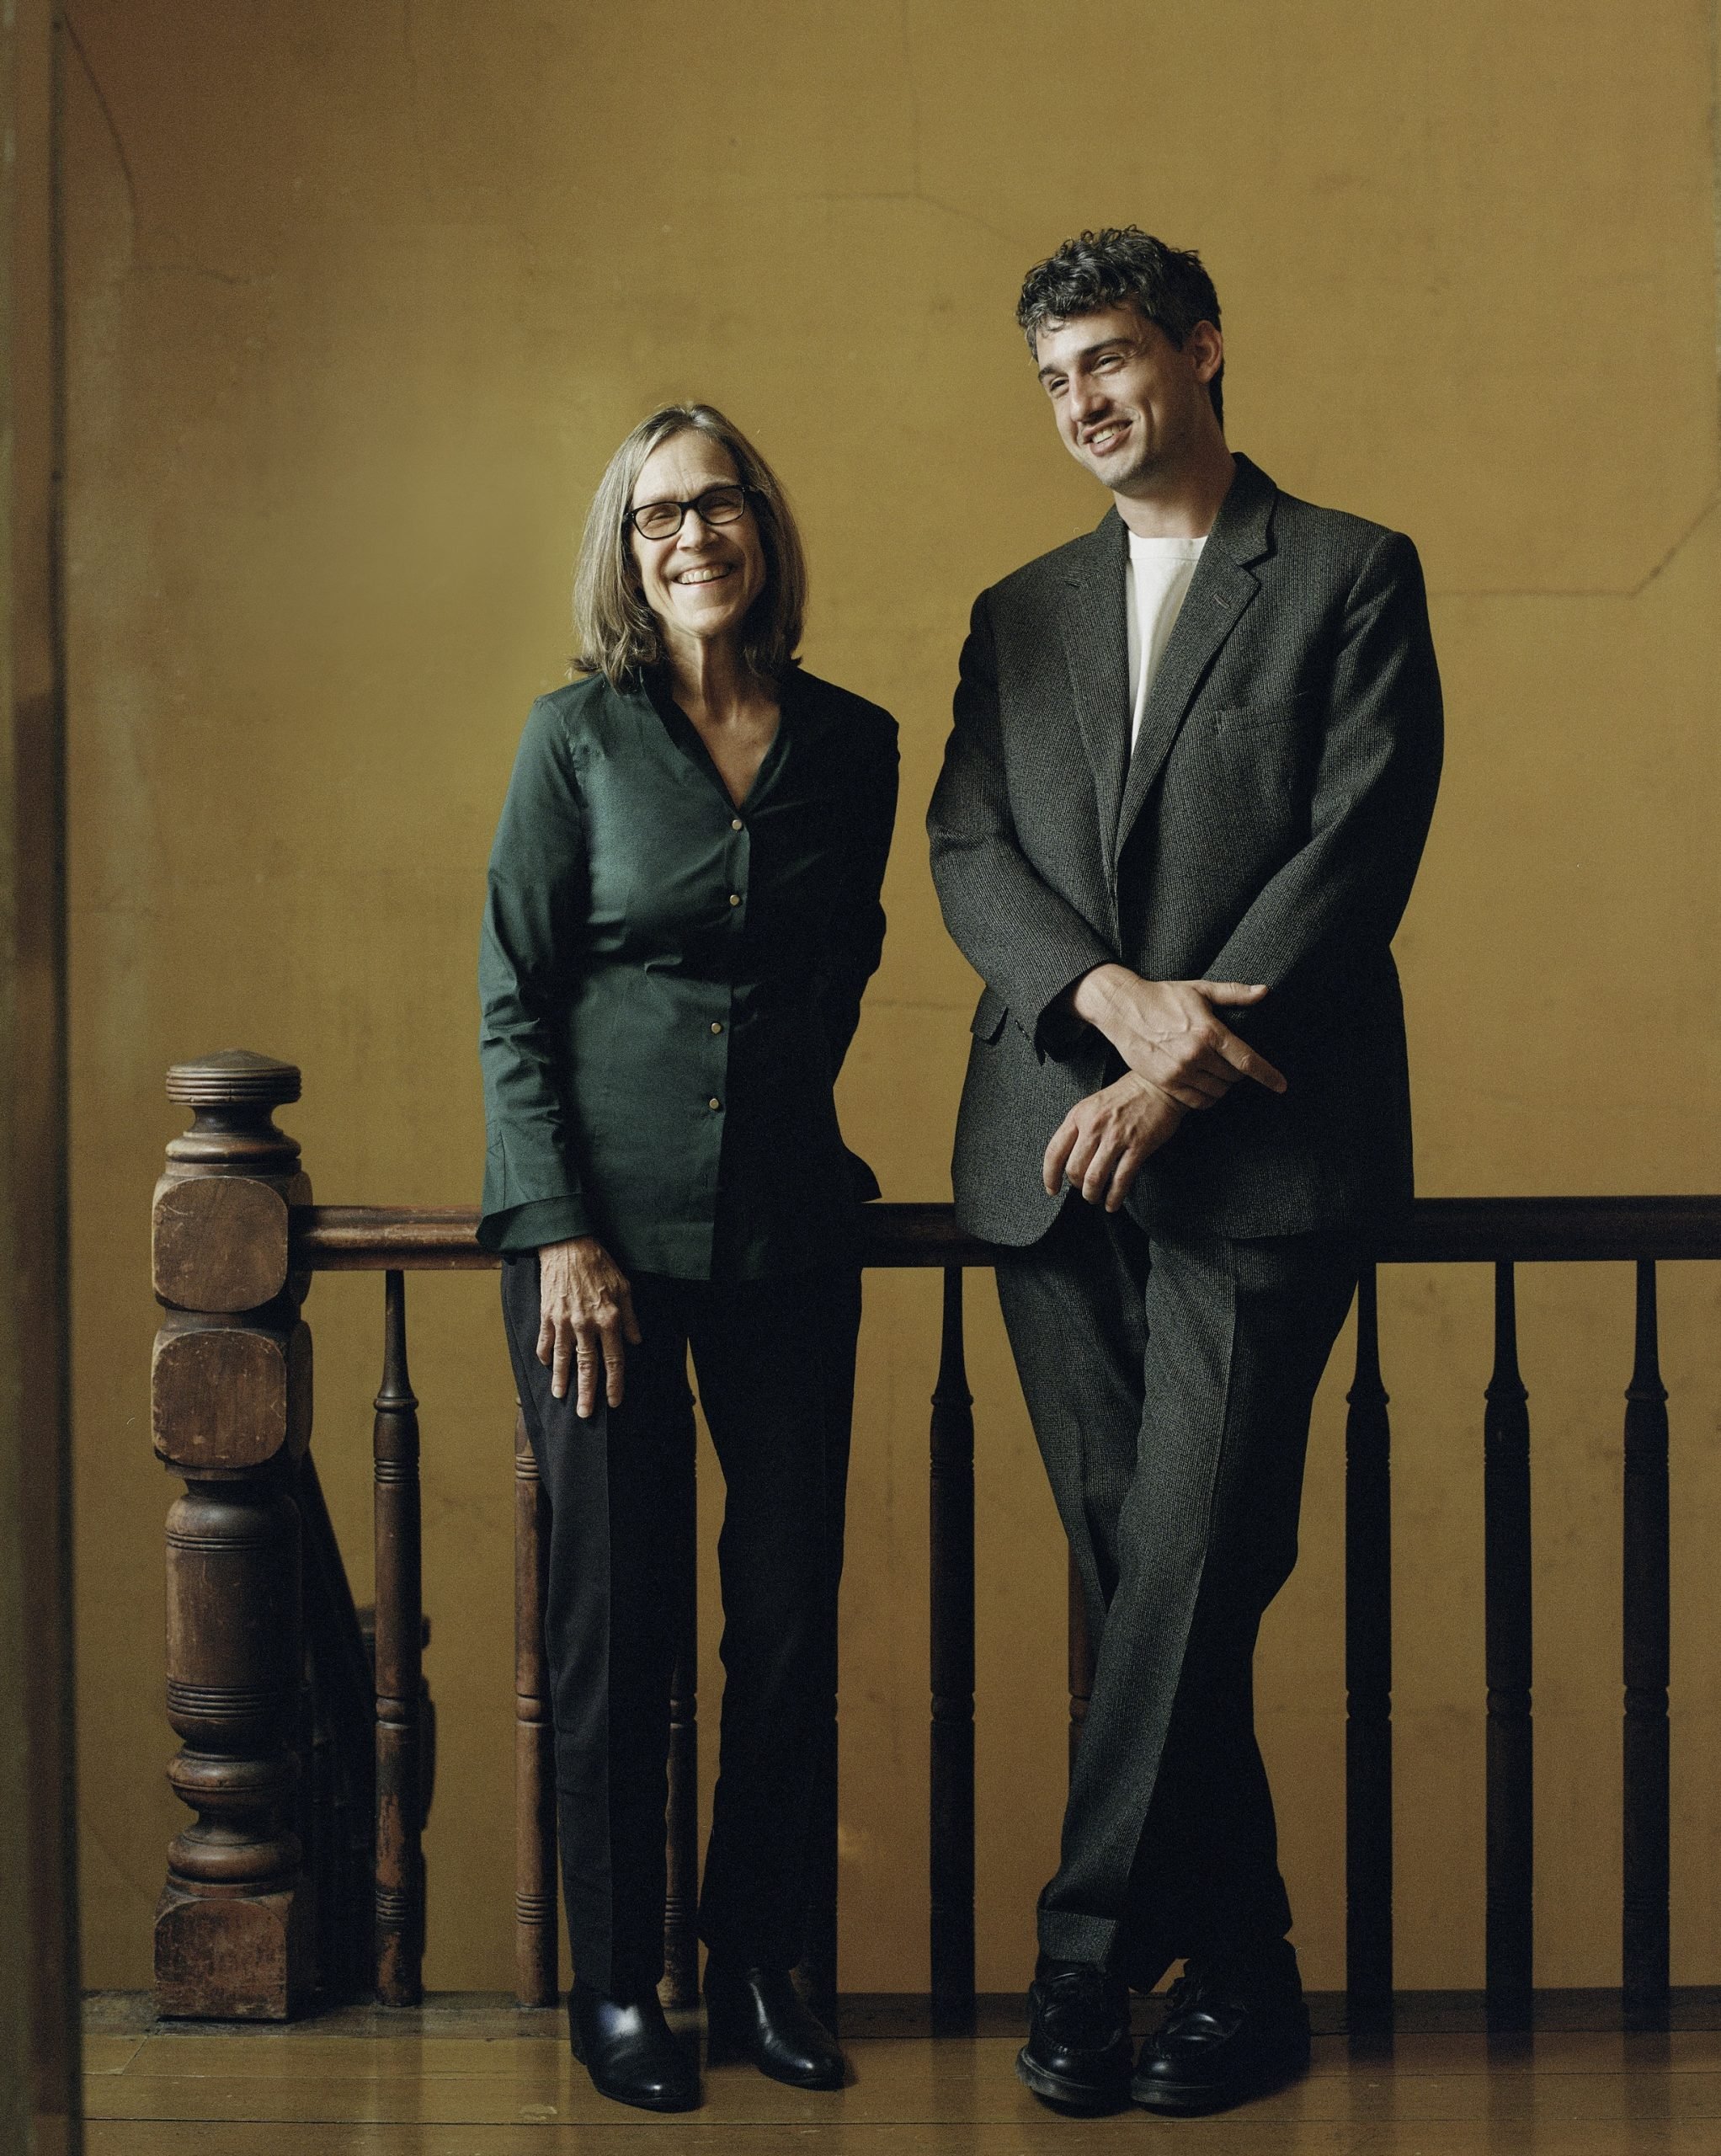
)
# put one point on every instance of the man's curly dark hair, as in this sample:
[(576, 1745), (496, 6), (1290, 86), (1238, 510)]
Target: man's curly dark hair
[(1119, 265)]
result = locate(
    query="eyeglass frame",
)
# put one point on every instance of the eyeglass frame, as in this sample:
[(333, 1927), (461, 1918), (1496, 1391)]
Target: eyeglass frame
[(630, 517)]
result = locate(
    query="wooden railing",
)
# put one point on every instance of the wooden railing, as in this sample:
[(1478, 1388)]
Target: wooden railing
[(306, 1770)]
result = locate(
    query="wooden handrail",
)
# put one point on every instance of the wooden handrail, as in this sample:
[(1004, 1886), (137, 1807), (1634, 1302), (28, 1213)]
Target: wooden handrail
[(1539, 1230), (1438, 1231), (442, 1238)]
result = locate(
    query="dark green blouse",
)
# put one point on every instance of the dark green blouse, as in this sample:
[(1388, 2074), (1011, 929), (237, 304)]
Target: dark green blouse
[(669, 984)]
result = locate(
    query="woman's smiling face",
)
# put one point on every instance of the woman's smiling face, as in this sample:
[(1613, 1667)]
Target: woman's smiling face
[(701, 582)]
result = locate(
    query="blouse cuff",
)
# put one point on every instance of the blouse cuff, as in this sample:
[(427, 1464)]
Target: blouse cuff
[(531, 1226)]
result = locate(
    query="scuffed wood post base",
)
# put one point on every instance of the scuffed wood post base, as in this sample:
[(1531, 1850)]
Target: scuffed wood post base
[(241, 1959)]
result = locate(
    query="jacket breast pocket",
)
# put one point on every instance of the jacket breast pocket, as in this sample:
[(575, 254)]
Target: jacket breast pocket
[(1247, 765), (989, 1015), (1266, 748)]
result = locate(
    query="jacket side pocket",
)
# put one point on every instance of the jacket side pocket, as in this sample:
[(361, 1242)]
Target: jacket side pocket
[(989, 1015)]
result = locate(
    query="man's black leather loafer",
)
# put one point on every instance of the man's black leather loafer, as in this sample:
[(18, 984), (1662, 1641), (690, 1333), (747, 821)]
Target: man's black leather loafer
[(758, 2014), (1219, 2046), (626, 2046), (1078, 2051)]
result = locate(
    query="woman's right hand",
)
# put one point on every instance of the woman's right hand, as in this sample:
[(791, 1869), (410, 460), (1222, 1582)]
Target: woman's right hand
[(586, 1314)]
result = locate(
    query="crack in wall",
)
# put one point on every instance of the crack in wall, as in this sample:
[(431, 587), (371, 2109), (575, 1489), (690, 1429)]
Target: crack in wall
[(1586, 591), (937, 202), (141, 264), (108, 119)]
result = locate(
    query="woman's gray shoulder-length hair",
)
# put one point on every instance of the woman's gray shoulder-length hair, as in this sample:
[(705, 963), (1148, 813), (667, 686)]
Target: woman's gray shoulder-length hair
[(615, 632)]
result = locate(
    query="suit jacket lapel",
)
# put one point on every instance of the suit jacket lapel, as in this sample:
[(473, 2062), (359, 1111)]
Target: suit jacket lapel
[(1096, 632), (1219, 591)]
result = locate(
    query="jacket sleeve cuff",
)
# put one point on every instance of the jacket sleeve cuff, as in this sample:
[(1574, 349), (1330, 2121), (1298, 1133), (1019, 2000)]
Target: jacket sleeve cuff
[(531, 1226), (1057, 1032)]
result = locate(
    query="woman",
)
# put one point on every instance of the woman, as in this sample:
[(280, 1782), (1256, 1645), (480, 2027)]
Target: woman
[(683, 909)]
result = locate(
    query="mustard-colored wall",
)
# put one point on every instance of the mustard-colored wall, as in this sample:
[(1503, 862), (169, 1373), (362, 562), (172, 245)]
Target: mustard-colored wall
[(360, 299)]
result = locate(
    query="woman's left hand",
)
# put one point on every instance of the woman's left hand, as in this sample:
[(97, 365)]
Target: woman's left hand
[(585, 1309)]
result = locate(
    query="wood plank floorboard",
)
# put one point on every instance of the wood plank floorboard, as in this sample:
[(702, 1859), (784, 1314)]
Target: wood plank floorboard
[(428, 2084), (1234, 2136)]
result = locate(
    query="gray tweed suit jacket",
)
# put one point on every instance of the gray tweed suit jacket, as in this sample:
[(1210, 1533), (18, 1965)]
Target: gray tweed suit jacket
[(1267, 827)]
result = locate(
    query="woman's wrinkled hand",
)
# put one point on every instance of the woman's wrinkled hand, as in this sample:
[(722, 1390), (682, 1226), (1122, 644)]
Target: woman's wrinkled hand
[(586, 1321)]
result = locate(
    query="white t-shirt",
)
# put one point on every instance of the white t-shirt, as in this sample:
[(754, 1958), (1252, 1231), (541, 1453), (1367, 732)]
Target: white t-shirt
[(1160, 571)]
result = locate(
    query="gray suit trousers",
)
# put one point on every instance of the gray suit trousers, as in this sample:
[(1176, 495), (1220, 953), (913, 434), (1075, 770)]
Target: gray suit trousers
[(1170, 1379)]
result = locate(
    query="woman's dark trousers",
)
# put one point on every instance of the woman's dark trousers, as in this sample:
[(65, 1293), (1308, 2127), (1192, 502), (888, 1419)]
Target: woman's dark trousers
[(775, 1363)]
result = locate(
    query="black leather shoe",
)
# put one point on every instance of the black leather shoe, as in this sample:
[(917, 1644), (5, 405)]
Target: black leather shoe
[(626, 2046), (1226, 2036), (1078, 2051), (758, 2014)]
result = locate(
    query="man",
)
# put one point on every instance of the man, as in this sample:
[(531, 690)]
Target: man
[(1193, 762)]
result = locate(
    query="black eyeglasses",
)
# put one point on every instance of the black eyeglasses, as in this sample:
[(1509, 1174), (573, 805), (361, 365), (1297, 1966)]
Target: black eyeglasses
[(663, 519)]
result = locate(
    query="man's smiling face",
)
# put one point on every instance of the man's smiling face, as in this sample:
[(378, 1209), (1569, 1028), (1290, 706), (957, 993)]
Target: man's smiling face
[(1130, 405)]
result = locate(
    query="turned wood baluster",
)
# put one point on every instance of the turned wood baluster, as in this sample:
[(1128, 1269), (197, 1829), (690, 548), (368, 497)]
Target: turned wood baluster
[(1368, 1678), (1645, 1917), (680, 1984), (534, 1918), (313, 1815), (343, 1758), (400, 1619), (231, 1413), (952, 1643), (1505, 1450)]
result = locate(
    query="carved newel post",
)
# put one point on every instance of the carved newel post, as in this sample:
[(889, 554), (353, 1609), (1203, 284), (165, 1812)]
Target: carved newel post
[(230, 1412)]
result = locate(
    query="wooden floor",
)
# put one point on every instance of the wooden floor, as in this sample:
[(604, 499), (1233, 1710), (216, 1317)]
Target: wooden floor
[(476, 2077)]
